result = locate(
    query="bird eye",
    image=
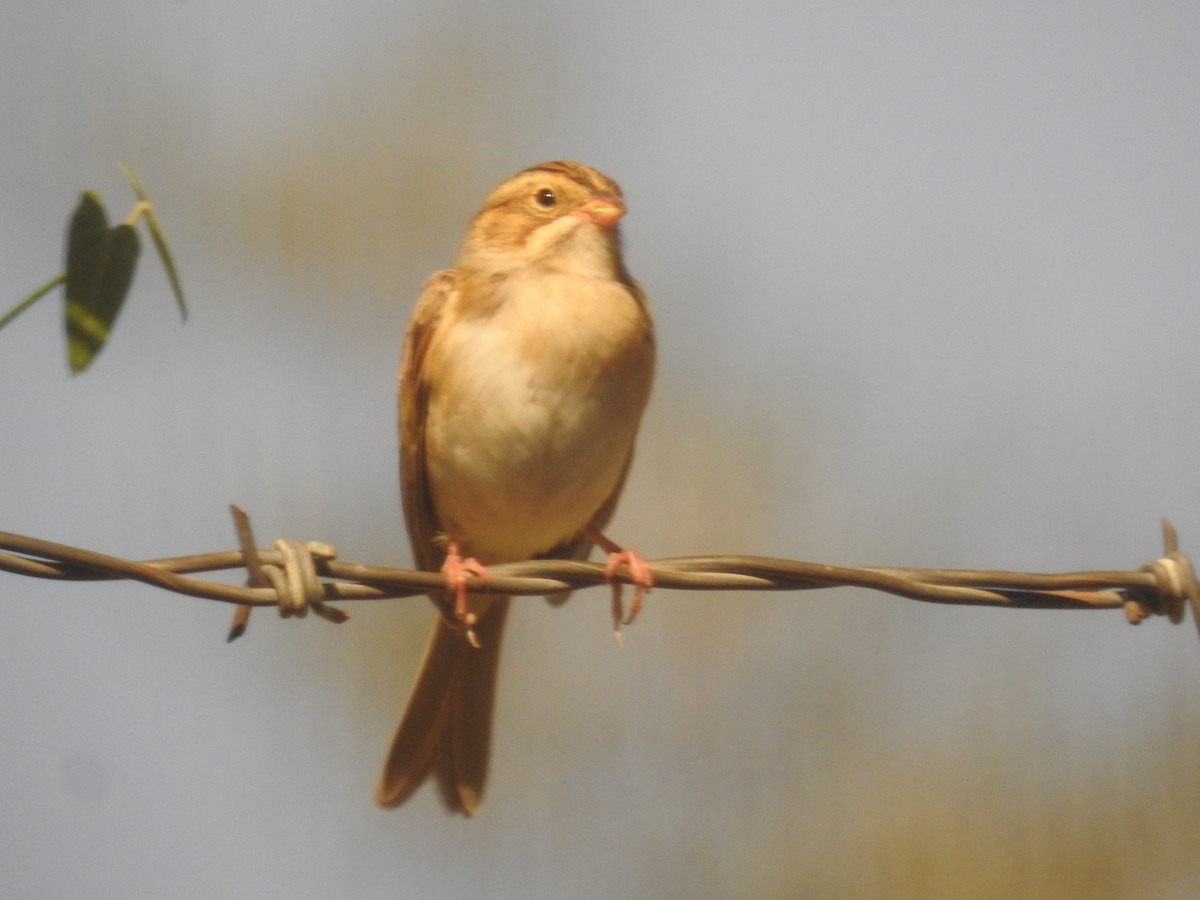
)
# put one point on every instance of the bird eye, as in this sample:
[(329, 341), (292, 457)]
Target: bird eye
[(545, 198)]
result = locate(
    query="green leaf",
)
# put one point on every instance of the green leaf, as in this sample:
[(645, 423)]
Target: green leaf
[(100, 265), (156, 234), (87, 243)]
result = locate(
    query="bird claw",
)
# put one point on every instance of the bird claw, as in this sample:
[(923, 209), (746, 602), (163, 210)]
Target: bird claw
[(643, 580), (639, 574), (455, 569)]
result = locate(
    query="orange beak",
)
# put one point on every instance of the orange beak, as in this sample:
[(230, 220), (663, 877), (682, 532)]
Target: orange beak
[(604, 210)]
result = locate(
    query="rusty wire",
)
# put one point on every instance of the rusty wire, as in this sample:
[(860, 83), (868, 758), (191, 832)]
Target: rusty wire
[(296, 577)]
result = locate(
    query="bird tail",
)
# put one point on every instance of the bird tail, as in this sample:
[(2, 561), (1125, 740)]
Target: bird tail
[(446, 727)]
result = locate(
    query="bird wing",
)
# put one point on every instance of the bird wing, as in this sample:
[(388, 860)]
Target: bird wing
[(420, 516)]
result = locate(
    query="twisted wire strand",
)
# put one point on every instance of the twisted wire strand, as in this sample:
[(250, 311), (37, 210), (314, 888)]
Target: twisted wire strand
[(296, 577)]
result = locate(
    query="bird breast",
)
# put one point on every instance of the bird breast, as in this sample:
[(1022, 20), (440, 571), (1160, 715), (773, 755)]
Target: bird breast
[(536, 410)]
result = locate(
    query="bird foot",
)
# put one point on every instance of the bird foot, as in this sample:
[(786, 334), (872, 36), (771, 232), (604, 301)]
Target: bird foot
[(638, 572), (455, 569)]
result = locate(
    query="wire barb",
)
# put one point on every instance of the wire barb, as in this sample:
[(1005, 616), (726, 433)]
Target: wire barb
[(1175, 583), (254, 571), (294, 582), (295, 577)]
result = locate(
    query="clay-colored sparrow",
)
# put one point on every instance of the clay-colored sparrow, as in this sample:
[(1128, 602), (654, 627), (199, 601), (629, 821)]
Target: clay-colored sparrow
[(525, 372)]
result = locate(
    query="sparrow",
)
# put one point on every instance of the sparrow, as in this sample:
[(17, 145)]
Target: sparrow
[(523, 378)]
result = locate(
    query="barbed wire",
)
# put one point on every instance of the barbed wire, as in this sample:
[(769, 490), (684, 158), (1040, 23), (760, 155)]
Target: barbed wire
[(299, 576)]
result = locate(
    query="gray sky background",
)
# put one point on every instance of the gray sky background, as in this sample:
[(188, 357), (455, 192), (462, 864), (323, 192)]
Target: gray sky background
[(926, 286)]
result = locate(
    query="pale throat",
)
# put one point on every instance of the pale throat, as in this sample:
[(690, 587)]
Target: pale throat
[(573, 247)]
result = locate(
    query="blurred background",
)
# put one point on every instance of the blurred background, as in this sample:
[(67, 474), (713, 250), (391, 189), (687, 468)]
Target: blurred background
[(925, 282)]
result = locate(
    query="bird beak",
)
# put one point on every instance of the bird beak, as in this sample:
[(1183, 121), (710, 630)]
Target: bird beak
[(604, 210)]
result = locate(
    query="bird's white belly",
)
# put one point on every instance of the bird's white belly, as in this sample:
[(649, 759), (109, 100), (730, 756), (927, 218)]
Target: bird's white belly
[(547, 396)]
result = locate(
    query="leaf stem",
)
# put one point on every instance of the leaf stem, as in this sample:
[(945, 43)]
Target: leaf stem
[(32, 298)]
